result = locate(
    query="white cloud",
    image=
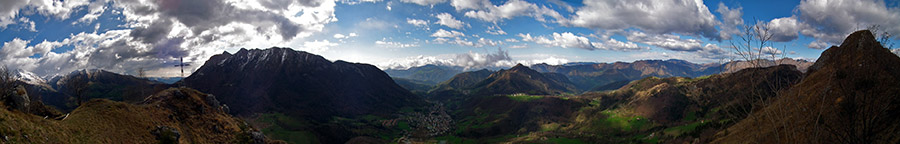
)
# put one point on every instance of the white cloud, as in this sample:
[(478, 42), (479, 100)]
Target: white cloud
[(15, 49), (613, 44), (417, 22), (373, 23), (353, 2), (469, 4), (469, 61), (342, 36), (830, 21), (564, 40), (710, 53), (785, 29), (818, 45), (447, 34), (532, 59), (495, 30), (9, 10), (570, 40), (731, 19), (519, 46), (513, 8), (652, 16), (30, 24), (158, 34), (390, 44), (317, 46), (770, 51), (511, 40), (488, 42), (388, 7), (666, 41), (95, 9), (424, 2), (565, 5), (446, 19)]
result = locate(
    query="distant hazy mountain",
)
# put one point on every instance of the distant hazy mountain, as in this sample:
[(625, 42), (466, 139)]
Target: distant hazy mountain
[(415, 86), (167, 80), (521, 79), (597, 76), (589, 76), (518, 79), (302, 86), (430, 74), (734, 66), (101, 84)]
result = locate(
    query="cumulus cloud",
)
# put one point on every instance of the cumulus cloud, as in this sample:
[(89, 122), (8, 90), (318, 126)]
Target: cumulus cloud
[(446, 19), (342, 36), (818, 45), (488, 42), (652, 16), (441, 33), (161, 31), (711, 53), (56, 9), (469, 4), (389, 44), (665, 41), (616, 45), (831, 20), (513, 8), (570, 40), (470, 60), (564, 40), (785, 29), (731, 19), (424, 2), (770, 51), (417, 22), (495, 30)]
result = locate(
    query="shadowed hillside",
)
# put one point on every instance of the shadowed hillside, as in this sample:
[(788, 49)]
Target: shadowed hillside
[(313, 93), (848, 96)]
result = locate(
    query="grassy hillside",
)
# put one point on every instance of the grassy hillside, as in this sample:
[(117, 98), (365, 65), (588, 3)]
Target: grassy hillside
[(105, 121)]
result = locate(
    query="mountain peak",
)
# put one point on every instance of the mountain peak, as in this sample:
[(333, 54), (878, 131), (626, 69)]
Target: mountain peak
[(519, 66), (858, 48)]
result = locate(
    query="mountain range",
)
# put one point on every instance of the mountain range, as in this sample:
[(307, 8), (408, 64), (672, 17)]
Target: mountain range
[(303, 87), (279, 95), (588, 76)]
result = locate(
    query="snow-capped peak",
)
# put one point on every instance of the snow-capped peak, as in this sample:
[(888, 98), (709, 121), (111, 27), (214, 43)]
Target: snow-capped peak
[(29, 77)]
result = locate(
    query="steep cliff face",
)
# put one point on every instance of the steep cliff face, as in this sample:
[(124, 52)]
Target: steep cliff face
[(299, 83)]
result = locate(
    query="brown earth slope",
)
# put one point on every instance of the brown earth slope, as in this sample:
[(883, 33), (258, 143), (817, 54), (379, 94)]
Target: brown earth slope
[(194, 115), (850, 95)]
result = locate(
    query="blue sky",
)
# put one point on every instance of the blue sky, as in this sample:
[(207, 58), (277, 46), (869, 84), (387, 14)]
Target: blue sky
[(126, 35)]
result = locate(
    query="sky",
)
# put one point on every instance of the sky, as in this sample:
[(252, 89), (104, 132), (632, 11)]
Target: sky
[(51, 37)]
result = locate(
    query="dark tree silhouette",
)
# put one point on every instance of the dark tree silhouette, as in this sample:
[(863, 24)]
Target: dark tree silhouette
[(7, 83)]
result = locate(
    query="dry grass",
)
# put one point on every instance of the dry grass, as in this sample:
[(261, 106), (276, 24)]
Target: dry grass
[(105, 121)]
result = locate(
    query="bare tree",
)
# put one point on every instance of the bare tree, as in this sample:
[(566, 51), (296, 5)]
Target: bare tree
[(76, 86), (752, 41), (884, 37), (7, 83), (754, 44)]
